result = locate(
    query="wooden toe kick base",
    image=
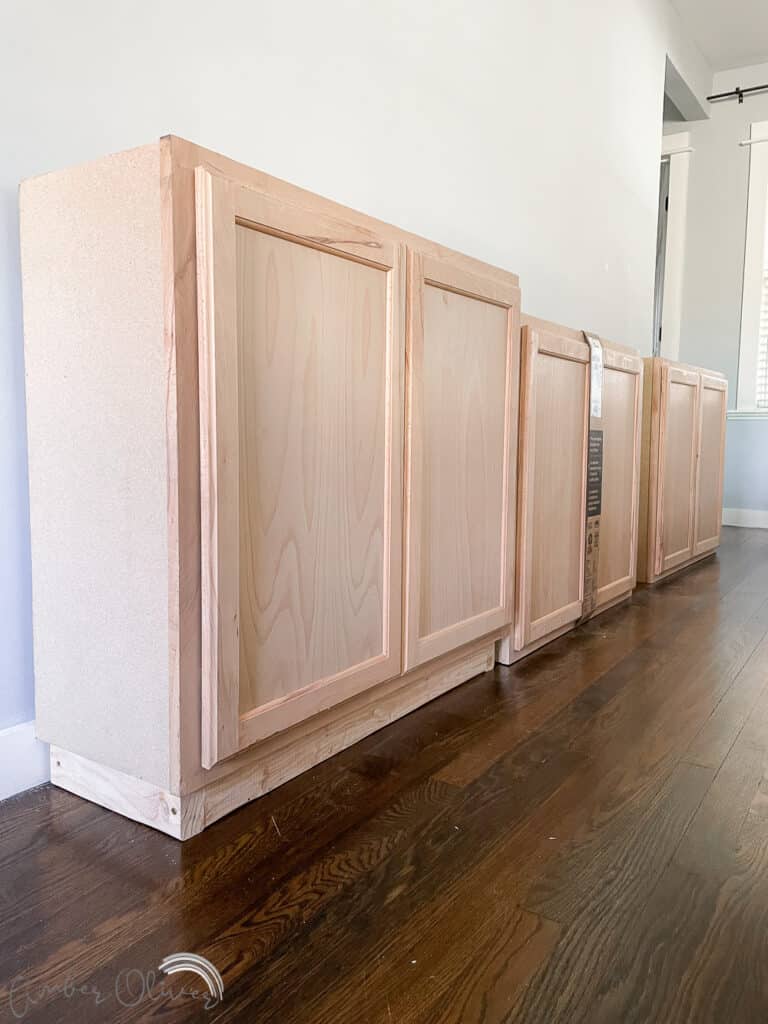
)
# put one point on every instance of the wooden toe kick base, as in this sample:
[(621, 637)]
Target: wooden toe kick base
[(507, 655), (677, 569), (134, 798), (273, 762)]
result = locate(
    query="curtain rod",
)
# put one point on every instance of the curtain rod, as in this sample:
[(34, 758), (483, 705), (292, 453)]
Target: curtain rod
[(737, 92)]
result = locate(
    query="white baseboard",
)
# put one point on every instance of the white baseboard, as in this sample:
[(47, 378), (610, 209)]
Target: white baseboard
[(757, 518), (24, 760)]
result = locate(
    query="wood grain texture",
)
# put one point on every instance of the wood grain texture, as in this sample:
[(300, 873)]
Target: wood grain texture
[(552, 481), (219, 465), (312, 370), (374, 238), (463, 360), (621, 425), (680, 399), (140, 801), (532, 846), (301, 326), (713, 404), (679, 500), (558, 489)]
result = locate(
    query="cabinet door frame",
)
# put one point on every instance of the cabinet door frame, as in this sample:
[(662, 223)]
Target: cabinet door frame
[(451, 275), (632, 364), (536, 341), (670, 374), (709, 382), (221, 204)]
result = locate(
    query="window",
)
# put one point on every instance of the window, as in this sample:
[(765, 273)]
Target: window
[(761, 385), (753, 350)]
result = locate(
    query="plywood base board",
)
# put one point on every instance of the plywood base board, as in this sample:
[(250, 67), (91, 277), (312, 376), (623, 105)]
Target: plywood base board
[(679, 568), (261, 770), (134, 798), (506, 655)]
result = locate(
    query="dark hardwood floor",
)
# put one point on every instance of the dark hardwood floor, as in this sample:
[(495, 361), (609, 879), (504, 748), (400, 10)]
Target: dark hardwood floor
[(580, 838)]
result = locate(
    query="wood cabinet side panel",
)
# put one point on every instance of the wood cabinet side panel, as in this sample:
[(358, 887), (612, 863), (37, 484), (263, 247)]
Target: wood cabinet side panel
[(98, 377)]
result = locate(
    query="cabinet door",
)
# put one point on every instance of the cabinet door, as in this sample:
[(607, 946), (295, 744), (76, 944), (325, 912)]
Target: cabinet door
[(301, 378), (709, 486), (621, 425), (554, 426), (678, 436), (463, 353)]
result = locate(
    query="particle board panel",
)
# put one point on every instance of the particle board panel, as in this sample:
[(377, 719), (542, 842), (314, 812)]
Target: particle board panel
[(96, 368)]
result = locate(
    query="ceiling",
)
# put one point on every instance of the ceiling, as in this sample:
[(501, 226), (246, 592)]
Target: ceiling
[(730, 33)]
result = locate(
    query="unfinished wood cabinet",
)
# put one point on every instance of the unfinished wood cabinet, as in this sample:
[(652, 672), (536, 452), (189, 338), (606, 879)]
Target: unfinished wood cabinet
[(463, 356), (301, 369), (552, 482), (708, 515), (622, 404), (216, 411), (683, 451)]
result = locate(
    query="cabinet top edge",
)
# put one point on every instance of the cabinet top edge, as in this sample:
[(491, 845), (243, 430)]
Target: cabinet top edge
[(185, 155), (662, 361), (94, 162), (526, 320)]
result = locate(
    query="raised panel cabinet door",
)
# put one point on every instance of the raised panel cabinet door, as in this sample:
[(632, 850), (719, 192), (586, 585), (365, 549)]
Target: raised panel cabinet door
[(622, 401), (709, 486), (463, 365), (301, 327), (554, 427), (678, 438)]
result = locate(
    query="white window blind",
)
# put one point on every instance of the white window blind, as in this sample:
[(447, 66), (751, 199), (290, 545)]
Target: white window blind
[(753, 350), (761, 382)]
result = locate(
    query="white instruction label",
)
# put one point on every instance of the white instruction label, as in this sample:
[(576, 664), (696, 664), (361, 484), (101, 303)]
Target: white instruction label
[(595, 376)]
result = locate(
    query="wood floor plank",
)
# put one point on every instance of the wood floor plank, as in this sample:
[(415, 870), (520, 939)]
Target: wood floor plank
[(608, 901), (581, 837)]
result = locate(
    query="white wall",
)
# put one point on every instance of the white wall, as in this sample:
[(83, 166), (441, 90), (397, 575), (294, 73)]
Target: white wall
[(714, 269), (525, 133)]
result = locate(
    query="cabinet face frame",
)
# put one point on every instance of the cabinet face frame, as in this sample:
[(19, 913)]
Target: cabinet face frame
[(625, 363), (668, 375), (535, 341), (444, 273), (709, 382), (222, 204)]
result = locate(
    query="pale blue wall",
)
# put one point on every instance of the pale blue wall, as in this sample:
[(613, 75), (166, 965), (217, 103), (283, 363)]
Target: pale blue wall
[(308, 92), (16, 701), (714, 271), (746, 464)]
